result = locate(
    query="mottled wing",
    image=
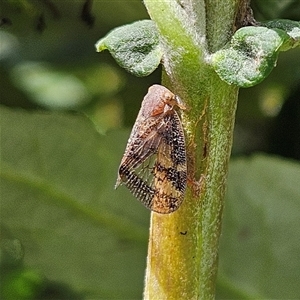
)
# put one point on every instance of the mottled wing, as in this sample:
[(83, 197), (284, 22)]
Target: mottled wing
[(155, 170), (170, 168), (142, 142)]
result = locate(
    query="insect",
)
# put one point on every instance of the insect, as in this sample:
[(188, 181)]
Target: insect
[(154, 166)]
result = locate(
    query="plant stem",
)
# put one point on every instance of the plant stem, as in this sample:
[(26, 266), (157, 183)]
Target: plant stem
[(183, 246)]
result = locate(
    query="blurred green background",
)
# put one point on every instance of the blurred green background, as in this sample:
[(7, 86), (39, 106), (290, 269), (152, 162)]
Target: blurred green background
[(66, 113)]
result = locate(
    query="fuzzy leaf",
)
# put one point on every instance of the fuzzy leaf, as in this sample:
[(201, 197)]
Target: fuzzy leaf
[(250, 57), (292, 28), (135, 47)]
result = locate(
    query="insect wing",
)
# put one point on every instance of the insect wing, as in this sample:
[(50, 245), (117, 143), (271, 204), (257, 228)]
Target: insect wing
[(143, 142), (170, 168), (159, 178)]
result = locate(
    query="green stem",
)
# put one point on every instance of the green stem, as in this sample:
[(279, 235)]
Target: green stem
[(183, 246)]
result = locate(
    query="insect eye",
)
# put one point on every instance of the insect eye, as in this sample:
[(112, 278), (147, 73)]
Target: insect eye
[(168, 99)]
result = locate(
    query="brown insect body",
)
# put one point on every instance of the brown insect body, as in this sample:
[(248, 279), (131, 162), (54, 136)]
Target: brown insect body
[(154, 163)]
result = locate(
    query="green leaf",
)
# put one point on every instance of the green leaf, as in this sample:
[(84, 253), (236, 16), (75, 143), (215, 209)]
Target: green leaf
[(250, 57), (292, 28), (135, 47), (58, 199), (260, 245)]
